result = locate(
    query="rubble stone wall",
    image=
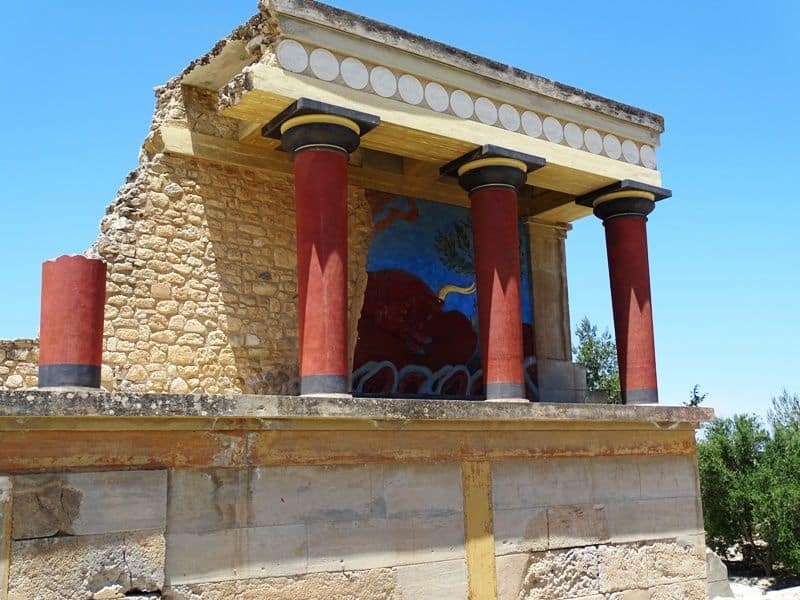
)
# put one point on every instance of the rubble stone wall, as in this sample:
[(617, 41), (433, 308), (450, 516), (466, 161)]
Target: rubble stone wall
[(19, 364), (201, 293)]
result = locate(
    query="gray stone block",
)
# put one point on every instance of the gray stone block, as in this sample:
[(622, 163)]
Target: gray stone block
[(433, 581), (422, 490), (244, 553), (384, 542), (5, 533), (543, 482), (616, 478), (574, 526), (635, 520), (88, 503), (217, 499), (519, 530)]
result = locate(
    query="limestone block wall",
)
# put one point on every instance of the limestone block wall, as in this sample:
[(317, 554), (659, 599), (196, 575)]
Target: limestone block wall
[(602, 528), (19, 364)]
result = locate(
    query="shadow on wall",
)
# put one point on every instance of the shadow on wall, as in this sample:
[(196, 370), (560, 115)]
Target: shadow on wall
[(251, 229)]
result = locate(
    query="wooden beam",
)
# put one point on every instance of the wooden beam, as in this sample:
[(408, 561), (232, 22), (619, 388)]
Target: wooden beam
[(173, 139)]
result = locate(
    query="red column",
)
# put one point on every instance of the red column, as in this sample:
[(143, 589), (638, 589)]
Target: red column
[(71, 331), (321, 144), (321, 205), (492, 179), (496, 243), (625, 221)]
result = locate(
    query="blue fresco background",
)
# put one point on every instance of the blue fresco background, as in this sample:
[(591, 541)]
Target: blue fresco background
[(410, 246)]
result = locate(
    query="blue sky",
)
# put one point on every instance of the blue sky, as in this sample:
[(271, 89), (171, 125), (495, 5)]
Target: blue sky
[(77, 99)]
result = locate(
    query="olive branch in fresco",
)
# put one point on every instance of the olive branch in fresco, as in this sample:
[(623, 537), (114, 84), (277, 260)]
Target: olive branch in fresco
[(455, 248)]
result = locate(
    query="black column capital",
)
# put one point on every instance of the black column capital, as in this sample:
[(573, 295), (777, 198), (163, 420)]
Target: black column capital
[(624, 198), (492, 166), (307, 124)]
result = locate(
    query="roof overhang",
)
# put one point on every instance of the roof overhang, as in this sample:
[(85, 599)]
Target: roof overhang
[(435, 103)]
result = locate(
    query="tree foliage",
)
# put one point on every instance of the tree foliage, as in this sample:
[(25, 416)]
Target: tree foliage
[(598, 353), (750, 485), (785, 410)]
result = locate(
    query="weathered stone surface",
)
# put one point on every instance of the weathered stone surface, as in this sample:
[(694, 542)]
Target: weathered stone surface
[(417, 490), (376, 584), (19, 368), (43, 507), (37, 403), (689, 590), (717, 575), (6, 499), (88, 503), (432, 581), (655, 518), (572, 573), (570, 526), (384, 542), (520, 530), (86, 567), (642, 566), (511, 570), (236, 554)]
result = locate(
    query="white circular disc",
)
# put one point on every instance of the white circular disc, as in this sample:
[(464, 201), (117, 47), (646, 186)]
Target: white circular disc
[(324, 64), (292, 56), (509, 117), (461, 103), (354, 73), (553, 130), (531, 124), (612, 146), (436, 97), (648, 156), (410, 89), (486, 111), (573, 135), (593, 141), (383, 82), (630, 152)]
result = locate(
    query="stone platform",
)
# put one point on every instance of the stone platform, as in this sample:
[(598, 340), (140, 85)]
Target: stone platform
[(211, 497)]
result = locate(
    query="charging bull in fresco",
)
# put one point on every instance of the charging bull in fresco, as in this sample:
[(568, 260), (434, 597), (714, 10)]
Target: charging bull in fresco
[(404, 330)]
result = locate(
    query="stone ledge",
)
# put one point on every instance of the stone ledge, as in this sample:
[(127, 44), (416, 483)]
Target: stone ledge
[(22, 406)]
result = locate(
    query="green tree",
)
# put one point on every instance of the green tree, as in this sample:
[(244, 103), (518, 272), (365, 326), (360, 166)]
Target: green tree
[(785, 410), (598, 353), (776, 506), (729, 459)]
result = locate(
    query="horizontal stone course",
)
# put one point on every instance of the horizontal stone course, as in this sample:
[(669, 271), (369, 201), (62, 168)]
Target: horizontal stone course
[(88, 503)]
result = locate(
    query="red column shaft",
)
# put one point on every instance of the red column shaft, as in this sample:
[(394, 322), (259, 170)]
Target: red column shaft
[(629, 273), (321, 204), (496, 240), (71, 329)]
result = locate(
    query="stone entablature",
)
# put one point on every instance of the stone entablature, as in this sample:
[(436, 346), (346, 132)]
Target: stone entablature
[(613, 140)]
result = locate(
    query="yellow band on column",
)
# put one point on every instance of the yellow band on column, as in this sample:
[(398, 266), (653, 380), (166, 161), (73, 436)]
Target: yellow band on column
[(624, 194), (328, 119), (492, 162)]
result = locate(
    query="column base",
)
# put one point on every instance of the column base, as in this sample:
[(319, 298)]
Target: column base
[(640, 396), (505, 392), (324, 385), (69, 375)]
